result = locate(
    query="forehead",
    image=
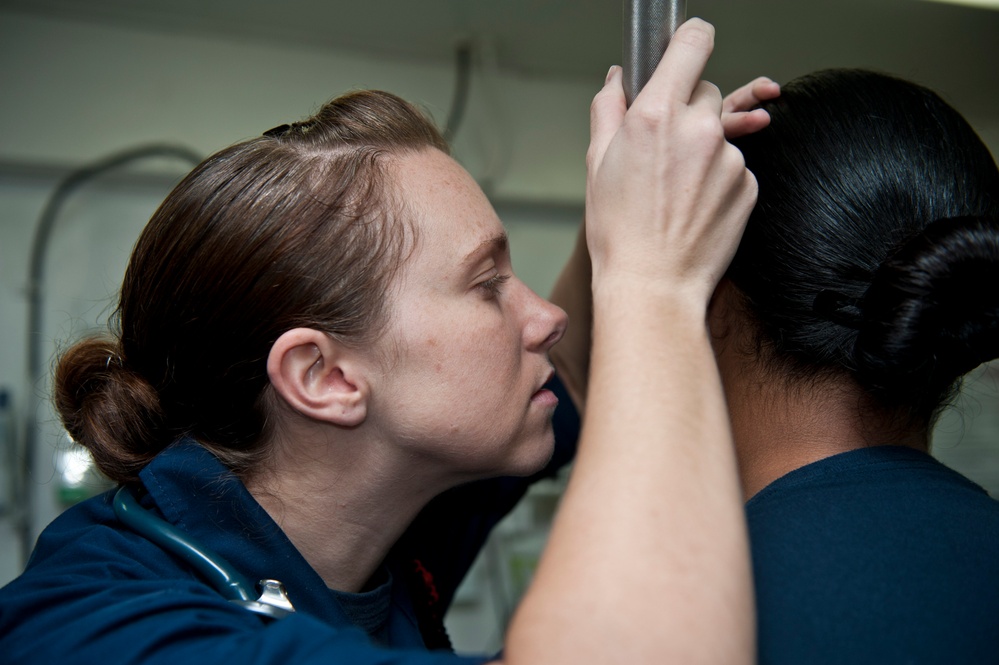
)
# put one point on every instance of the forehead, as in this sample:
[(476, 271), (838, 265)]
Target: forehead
[(450, 214)]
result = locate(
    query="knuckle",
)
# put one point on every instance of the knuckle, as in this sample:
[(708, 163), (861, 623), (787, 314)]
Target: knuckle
[(647, 116), (735, 156), (713, 89), (709, 129)]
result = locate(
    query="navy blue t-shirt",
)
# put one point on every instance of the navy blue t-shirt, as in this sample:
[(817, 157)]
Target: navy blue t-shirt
[(880, 555)]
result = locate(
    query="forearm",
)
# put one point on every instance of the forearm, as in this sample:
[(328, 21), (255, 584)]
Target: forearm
[(650, 537), (571, 356), (648, 559)]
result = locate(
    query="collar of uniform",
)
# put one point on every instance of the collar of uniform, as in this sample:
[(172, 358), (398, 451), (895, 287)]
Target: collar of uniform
[(873, 459), (196, 493)]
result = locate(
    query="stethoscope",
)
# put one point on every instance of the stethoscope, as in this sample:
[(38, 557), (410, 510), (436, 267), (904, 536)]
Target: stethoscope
[(272, 601)]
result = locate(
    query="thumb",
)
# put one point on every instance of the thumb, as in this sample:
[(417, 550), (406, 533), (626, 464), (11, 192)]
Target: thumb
[(606, 115)]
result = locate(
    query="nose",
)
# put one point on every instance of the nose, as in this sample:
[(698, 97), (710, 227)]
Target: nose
[(545, 323)]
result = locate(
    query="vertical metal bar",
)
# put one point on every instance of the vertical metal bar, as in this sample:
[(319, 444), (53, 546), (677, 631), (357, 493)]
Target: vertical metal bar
[(648, 27)]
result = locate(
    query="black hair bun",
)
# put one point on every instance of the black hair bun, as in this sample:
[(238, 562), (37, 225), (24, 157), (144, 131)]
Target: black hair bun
[(932, 312)]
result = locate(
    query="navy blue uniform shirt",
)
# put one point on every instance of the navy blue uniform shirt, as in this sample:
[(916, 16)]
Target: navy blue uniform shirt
[(96, 592), (880, 555)]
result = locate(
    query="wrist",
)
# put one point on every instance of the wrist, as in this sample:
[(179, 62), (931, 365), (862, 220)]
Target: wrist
[(634, 295)]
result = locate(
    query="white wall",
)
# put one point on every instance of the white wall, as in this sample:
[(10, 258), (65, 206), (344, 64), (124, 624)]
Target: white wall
[(73, 92)]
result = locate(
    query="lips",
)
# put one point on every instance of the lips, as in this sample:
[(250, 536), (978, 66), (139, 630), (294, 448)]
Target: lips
[(544, 395), (548, 377)]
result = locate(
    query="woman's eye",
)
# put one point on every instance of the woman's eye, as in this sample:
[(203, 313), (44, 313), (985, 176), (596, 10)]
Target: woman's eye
[(494, 285)]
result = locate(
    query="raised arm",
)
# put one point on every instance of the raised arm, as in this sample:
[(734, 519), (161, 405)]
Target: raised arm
[(572, 292), (572, 288), (647, 560)]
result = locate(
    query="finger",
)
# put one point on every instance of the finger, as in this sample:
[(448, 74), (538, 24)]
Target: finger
[(765, 88), (751, 94), (741, 124), (679, 72), (707, 95), (606, 114)]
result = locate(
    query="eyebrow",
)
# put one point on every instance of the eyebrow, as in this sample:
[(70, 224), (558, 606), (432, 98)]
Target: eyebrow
[(495, 245)]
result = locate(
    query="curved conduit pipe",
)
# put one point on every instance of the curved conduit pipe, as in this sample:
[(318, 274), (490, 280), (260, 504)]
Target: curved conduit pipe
[(36, 275), (463, 78)]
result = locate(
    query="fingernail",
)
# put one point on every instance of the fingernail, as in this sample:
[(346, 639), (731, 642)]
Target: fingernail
[(610, 73)]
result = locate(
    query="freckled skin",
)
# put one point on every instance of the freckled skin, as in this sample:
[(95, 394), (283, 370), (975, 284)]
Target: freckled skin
[(465, 360)]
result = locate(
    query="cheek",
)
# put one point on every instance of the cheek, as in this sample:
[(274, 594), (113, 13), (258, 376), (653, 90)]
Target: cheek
[(460, 344), (467, 359), (475, 368)]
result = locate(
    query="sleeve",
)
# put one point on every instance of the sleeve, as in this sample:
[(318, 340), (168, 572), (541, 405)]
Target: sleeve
[(448, 534)]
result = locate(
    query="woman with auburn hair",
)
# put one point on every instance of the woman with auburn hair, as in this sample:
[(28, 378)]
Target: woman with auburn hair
[(863, 290), (323, 371)]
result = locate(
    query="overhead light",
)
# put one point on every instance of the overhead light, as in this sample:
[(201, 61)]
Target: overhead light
[(983, 4)]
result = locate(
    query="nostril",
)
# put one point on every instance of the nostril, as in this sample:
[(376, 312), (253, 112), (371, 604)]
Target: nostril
[(543, 318), (557, 333)]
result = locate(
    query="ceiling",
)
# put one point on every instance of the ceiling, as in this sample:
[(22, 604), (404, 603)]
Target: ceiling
[(954, 49)]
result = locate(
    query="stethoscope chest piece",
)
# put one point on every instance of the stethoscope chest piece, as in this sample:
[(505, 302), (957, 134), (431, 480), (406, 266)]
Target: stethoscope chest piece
[(273, 601)]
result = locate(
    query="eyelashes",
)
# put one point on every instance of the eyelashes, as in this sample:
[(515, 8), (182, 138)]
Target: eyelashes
[(494, 285)]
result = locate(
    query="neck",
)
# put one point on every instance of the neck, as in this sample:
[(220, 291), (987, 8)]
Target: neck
[(781, 426), (343, 503)]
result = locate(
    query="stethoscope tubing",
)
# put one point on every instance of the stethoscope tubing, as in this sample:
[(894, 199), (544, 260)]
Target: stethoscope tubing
[(219, 572)]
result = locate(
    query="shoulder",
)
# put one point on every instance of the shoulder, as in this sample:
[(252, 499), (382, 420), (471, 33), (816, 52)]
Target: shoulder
[(97, 593), (884, 556), (89, 577), (888, 473), (886, 512)]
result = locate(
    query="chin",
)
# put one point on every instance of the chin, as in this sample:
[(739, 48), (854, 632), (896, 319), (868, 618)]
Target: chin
[(522, 456), (533, 456)]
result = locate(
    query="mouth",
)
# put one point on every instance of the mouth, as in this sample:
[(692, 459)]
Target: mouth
[(544, 396)]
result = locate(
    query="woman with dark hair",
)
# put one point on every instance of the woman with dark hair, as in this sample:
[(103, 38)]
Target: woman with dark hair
[(324, 371), (863, 290)]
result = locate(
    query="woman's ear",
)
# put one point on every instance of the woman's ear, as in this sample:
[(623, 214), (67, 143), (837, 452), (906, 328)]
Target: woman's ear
[(721, 308), (319, 377)]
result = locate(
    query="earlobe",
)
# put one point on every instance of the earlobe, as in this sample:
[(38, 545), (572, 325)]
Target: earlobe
[(318, 377)]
